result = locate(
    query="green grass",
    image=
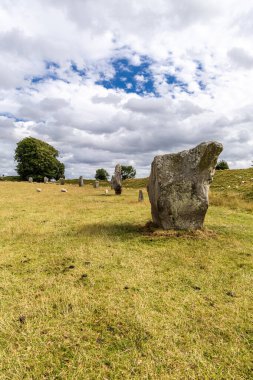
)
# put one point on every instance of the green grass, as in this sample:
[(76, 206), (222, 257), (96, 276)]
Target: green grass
[(88, 292)]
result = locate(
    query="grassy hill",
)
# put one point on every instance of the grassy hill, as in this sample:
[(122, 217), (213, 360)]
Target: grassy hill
[(223, 179), (88, 292)]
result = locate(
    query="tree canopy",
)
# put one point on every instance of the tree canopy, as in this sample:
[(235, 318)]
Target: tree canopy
[(222, 165), (101, 174), (128, 172), (35, 158)]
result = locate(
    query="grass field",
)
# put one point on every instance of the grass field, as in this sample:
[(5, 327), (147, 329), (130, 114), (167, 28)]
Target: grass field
[(88, 292)]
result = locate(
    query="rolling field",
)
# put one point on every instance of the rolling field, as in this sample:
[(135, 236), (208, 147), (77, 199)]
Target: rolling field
[(87, 291)]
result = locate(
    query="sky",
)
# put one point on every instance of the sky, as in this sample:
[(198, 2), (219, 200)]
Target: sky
[(109, 81)]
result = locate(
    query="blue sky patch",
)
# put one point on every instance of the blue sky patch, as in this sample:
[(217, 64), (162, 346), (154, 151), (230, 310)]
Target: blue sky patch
[(130, 78), (51, 65), (202, 85), (175, 82), (9, 115), (43, 78), (51, 73), (199, 74), (76, 69)]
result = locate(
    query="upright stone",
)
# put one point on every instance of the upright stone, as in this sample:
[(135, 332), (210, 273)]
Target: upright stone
[(45, 180), (62, 181), (30, 179), (80, 181), (178, 186), (116, 180), (96, 184), (140, 197)]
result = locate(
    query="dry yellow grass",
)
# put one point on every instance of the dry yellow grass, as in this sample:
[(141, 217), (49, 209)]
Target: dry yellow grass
[(87, 293)]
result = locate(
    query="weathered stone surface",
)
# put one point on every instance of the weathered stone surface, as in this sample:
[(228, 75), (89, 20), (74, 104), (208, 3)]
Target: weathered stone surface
[(140, 197), (80, 181), (116, 180), (178, 186)]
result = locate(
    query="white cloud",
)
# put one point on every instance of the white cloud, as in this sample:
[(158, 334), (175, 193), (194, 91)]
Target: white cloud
[(241, 58), (204, 46)]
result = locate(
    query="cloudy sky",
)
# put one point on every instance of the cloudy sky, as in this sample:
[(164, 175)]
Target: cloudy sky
[(107, 81)]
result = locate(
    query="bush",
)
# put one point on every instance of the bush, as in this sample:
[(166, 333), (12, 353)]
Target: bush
[(222, 165), (101, 174), (128, 172)]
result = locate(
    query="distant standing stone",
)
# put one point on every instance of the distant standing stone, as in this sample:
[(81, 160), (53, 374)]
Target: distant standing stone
[(30, 179), (80, 181), (96, 184), (45, 180), (178, 186), (62, 181), (140, 197), (116, 180)]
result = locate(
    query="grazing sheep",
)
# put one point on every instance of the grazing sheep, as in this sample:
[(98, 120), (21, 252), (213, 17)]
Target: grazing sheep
[(106, 191), (38, 190), (64, 190)]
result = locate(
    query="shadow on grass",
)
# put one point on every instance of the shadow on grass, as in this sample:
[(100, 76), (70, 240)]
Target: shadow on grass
[(122, 230), (127, 231)]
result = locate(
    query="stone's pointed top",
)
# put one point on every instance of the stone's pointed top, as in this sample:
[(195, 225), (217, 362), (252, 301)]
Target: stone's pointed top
[(202, 147), (178, 186)]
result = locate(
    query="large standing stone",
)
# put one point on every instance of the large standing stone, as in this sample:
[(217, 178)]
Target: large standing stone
[(30, 179), (62, 181), (96, 184), (45, 180), (80, 181), (178, 186), (116, 180)]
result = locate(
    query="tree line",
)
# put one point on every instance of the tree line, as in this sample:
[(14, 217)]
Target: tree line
[(38, 159)]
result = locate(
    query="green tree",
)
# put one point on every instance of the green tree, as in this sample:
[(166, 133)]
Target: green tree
[(222, 165), (37, 159), (128, 172), (101, 174)]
